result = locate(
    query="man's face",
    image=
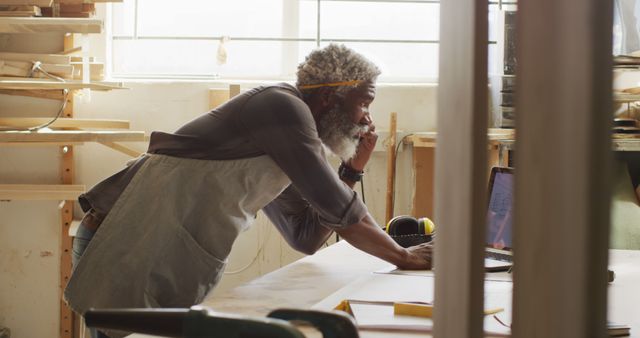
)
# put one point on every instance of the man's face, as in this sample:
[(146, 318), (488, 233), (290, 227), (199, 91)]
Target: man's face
[(342, 126)]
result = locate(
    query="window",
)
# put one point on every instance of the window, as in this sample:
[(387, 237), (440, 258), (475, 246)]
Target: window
[(267, 39)]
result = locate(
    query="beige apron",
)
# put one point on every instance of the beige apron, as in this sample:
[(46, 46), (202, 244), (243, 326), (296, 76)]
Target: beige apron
[(166, 241)]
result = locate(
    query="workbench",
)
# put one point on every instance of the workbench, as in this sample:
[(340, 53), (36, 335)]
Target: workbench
[(341, 271)]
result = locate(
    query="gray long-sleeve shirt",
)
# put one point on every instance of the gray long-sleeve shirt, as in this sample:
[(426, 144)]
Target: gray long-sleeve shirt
[(271, 120)]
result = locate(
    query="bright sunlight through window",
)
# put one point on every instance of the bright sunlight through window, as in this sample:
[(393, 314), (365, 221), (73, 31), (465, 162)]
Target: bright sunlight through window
[(267, 39)]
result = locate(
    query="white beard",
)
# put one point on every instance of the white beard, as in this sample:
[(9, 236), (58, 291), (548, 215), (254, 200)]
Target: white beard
[(339, 134)]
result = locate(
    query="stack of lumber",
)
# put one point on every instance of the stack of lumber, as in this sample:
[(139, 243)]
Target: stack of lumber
[(72, 9), (50, 8), (19, 11), (61, 65)]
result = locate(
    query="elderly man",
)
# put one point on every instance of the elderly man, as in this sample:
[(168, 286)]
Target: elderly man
[(158, 233)]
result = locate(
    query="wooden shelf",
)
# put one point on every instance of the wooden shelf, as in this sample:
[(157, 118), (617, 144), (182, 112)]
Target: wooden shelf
[(506, 139), (428, 139), (630, 144), (39, 3), (27, 122), (35, 192), (621, 97), (71, 136), (39, 144), (39, 93), (48, 25), (34, 84)]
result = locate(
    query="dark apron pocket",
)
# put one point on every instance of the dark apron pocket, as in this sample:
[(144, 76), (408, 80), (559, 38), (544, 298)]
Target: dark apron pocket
[(183, 273)]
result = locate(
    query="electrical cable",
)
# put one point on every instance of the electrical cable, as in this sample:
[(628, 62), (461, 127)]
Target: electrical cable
[(37, 67)]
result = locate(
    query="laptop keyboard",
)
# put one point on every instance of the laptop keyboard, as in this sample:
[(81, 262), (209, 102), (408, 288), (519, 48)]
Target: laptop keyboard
[(501, 256)]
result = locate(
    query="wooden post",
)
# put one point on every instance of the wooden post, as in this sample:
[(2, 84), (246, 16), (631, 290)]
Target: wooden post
[(562, 162), (234, 90), (423, 168), (461, 164), (217, 96), (67, 177), (391, 167)]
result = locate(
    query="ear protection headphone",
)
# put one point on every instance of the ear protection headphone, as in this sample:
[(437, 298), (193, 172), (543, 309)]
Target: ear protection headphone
[(407, 225)]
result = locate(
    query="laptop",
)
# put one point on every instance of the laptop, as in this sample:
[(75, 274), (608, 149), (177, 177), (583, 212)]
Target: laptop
[(499, 254)]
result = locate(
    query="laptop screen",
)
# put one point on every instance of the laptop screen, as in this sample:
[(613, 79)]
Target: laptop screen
[(500, 211)]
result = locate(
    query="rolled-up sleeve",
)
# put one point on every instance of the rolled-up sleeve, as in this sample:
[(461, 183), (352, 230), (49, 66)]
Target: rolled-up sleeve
[(282, 125)]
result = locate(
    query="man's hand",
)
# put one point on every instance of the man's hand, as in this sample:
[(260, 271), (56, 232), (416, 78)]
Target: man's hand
[(367, 236), (419, 257), (365, 149)]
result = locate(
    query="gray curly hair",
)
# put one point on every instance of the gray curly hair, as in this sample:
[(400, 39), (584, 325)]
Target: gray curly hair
[(335, 63)]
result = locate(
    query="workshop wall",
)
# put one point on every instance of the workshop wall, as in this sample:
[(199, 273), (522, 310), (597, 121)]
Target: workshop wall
[(29, 231)]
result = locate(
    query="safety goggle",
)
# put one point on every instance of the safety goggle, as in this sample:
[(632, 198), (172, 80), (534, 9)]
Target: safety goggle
[(332, 84)]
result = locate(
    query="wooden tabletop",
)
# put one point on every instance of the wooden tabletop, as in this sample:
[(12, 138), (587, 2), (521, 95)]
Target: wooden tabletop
[(341, 271), (301, 284)]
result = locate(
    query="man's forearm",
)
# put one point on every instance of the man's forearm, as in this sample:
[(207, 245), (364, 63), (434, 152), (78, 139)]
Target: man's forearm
[(367, 236)]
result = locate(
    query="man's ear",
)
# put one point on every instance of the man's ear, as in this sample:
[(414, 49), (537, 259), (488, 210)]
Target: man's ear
[(327, 97)]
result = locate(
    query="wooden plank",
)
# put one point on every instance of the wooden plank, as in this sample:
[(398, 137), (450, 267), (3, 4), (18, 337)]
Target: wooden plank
[(39, 3), (72, 10), (66, 217), (68, 71), (626, 144), (19, 14), (30, 83), (71, 50), (78, 59), (391, 167), (30, 57), (217, 96), (19, 8), (494, 159), (68, 108), (563, 158), (72, 136), (44, 94), (76, 14), (78, 7), (620, 142), (8, 68), (27, 122), (67, 170), (424, 174), (38, 144), (60, 70), (428, 139), (74, 2), (34, 192), (47, 25), (234, 90), (48, 12), (23, 69), (122, 148), (96, 70), (461, 162)]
